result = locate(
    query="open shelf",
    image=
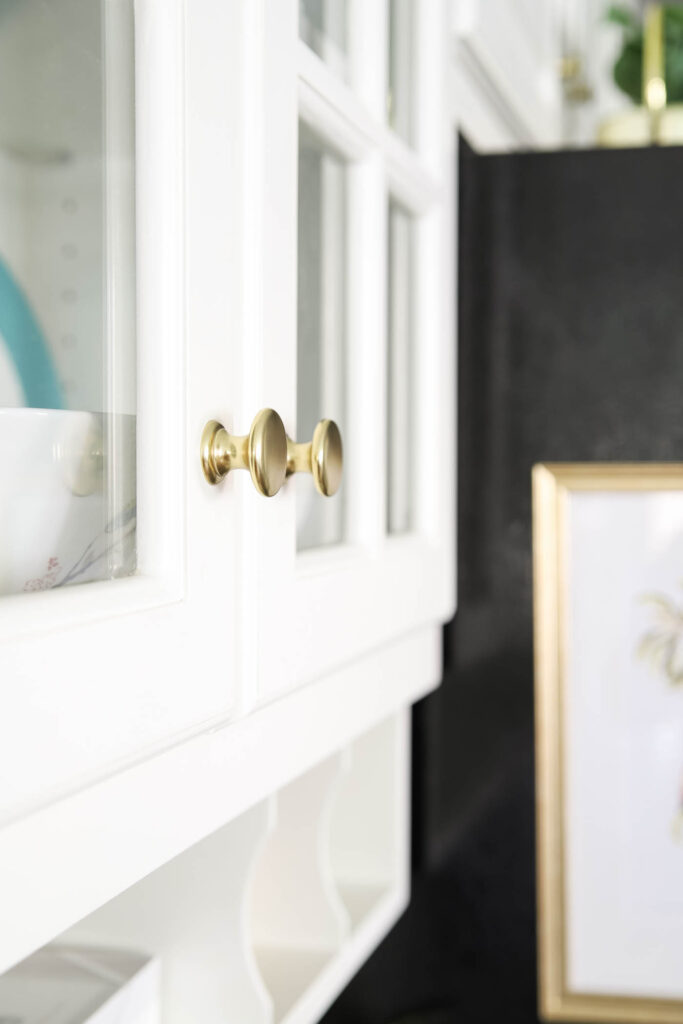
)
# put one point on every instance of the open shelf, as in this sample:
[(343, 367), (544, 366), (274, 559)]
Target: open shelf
[(334, 870), (266, 920), (190, 914), (369, 826), (297, 920)]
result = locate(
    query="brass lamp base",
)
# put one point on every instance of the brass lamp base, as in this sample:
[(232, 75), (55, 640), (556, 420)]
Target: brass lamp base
[(640, 127)]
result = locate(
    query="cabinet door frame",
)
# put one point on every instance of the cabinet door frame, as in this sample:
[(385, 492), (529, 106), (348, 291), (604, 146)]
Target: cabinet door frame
[(310, 612), (95, 675), (222, 614)]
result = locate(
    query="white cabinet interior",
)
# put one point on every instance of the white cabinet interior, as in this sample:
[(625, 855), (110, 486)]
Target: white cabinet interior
[(209, 757), (265, 920), (505, 72)]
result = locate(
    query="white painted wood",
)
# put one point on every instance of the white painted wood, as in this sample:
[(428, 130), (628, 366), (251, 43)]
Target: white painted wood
[(509, 54), (369, 832), (95, 675), (215, 293), (337, 972), (322, 383), (297, 920), (400, 344), (118, 41), (70, 857), (328, 606), (372, 909), (487, 124), (293, 898), (68, 984), (192, 913), (369, 44), (207, 912), (155, 724), (588, 35)]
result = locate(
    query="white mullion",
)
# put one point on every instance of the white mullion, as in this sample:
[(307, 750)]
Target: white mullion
[(432, 290), (409, 181), (351, 120), (333, 336), (324, 41), (330, 108), (434, 298), (368, 47), (119, 173), (119, 232), (430, 50), (401, 50), (160, 227), (269, 371), (400, 361), (333, 298)]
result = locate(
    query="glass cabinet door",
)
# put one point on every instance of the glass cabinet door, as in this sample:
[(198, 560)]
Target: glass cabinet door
[(401, 356), (324, 26), (321, 322), (120, 263), (67, 293), (366, 328)]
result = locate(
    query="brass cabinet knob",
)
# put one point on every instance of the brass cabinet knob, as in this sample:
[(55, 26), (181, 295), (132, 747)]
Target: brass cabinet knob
[(271, 456), (323, 457), (263, 451)]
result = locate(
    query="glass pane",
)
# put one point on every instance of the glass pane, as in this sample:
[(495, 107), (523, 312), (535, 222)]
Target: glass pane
[(400, 92), (321, 348), (400, 433), (67, 303), (323, 25)]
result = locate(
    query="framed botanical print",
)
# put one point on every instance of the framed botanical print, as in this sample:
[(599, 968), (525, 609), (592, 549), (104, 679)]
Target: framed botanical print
[(608, 623)]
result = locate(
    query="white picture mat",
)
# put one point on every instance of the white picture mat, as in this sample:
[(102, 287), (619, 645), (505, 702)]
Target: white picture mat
[(623, 748)]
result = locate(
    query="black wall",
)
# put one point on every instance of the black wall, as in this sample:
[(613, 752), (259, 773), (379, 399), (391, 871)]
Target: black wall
[(570, 349)]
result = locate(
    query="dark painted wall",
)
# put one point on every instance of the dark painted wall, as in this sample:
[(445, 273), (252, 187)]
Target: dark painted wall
[(570, 349)]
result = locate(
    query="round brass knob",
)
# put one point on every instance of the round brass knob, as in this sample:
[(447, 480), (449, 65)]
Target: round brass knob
[(323, 457), (263, 451)]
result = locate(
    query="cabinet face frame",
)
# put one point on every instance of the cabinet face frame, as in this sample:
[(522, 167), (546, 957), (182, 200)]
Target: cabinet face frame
[(94, 675), (315, 610), (223, 615)]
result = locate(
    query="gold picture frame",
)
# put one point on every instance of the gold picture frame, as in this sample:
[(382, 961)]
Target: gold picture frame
[(553, 485)]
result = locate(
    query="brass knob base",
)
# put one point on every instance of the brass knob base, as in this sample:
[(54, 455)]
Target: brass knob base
[(263, 451), (214, 456)]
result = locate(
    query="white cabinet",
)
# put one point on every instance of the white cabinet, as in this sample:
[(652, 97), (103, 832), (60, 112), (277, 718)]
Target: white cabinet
[(96, 674), (506, 89), (209, 209)]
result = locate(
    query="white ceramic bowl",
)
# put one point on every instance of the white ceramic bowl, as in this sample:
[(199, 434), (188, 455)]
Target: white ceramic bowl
[(58, 522)]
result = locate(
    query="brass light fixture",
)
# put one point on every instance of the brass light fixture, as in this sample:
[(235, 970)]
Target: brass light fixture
[(654, 122)]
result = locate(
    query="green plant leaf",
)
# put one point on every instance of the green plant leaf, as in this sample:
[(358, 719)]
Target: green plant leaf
[(628, 70), (622, 15), (674, 75), (673, 16)]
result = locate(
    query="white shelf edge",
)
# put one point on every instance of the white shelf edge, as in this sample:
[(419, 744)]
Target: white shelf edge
[(334, 977), (341, 964), (57, 863)]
